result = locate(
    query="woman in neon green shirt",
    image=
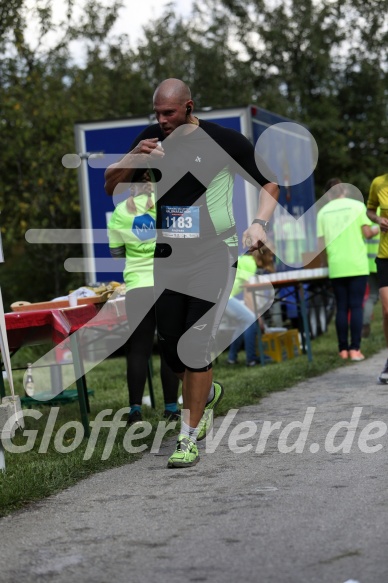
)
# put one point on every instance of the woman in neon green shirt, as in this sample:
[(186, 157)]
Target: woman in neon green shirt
[(131, 232), (342, 225)]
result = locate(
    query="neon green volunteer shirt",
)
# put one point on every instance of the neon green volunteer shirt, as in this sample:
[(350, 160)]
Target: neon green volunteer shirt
[(339, 222), (246, 267), (137, 233)]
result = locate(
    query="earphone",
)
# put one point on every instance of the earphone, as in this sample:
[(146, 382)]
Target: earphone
[(188, 110)]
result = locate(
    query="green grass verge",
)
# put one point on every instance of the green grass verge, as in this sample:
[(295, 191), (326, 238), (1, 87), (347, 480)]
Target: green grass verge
[(33, 475)]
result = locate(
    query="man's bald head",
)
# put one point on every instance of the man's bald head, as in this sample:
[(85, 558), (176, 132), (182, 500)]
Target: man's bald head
[(172, 90), (173, 105)]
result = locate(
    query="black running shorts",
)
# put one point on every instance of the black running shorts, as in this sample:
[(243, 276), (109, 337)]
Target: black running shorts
[(382, 271), (192, 286)]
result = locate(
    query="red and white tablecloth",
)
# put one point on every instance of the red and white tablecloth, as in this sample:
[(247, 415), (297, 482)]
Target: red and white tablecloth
[(55, 325)]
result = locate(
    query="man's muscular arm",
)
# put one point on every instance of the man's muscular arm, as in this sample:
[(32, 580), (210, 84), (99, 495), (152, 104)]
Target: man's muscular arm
[(122, 172)]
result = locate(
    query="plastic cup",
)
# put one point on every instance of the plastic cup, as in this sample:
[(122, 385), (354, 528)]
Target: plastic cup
[(73, 300)]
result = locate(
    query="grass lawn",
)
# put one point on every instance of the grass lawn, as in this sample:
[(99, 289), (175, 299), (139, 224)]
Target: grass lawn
[(35, 474)]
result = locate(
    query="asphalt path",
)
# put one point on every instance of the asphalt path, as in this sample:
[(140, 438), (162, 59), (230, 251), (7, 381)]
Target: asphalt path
[(304, 503)]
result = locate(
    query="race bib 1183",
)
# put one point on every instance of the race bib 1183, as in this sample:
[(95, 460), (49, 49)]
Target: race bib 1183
[(180, 221)]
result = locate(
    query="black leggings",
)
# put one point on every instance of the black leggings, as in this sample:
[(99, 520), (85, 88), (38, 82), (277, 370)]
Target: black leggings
[(139, 350)]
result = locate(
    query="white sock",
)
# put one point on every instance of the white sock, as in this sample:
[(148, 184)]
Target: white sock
[(190, 432), (211, 394)]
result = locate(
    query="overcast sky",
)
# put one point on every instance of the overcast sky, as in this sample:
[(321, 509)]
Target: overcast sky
[(132, 17), (136, 14)]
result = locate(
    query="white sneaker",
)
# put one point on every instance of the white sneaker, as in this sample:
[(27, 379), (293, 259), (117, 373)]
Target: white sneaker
[(383, 378)]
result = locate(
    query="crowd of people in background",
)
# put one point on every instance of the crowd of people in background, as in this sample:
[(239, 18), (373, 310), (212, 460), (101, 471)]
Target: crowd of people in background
[(350, 254), (351, 258)]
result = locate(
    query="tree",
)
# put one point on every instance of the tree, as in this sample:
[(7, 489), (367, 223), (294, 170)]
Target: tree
[(304, 60), (42, 94), (298, 58), (199, 55)]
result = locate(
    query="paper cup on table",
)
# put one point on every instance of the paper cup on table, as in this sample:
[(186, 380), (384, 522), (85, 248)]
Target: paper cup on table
[(73, 300)]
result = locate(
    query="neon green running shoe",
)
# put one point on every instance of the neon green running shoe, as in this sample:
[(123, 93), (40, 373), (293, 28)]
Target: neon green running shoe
[(185, 455), (207, 418)]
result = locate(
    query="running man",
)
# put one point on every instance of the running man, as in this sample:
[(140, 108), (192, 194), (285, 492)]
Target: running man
[(194, 163)]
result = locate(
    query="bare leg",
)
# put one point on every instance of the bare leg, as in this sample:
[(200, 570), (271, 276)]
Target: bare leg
[(195, 391)]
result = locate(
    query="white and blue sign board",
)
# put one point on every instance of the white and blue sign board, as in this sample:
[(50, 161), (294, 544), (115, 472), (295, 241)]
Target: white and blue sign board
[(116, 137)]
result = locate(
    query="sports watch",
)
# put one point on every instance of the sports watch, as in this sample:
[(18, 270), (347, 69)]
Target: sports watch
[(261, 222)]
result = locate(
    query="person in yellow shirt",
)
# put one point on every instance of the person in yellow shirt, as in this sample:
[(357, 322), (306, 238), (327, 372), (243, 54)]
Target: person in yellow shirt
[(378, 199), (372, 247)]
